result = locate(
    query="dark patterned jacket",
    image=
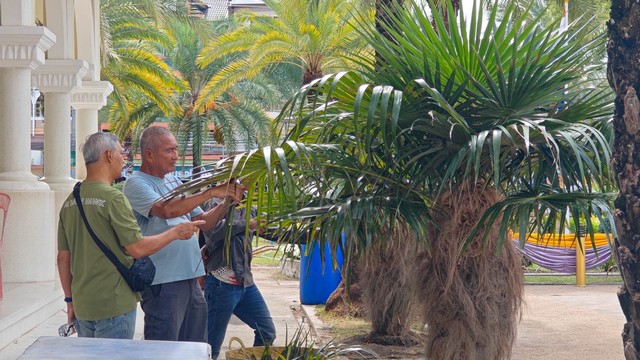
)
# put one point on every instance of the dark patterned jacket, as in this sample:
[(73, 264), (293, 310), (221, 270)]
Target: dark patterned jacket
[(235, 253)]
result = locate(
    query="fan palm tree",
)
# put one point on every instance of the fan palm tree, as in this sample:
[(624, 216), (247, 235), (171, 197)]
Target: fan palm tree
[(313, 35), (593, 13), (455, 138), (502, 133)]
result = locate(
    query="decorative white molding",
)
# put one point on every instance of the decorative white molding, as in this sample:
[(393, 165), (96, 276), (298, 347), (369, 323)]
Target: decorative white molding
[(59, 75), (24, 46), (92, 95), (55, 82)]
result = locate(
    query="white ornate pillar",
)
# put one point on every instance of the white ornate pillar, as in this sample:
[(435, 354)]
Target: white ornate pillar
[(93, 94), (57, 78), (87, 101), (21, 50), (29, 237)]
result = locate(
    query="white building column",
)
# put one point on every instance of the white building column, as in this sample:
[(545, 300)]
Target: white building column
[(57, 78), (87, 101), (29, 235), (21, 50), (93, 94), (15, 144)]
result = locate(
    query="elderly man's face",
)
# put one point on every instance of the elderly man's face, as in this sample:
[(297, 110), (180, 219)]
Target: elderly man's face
[(165, 155), (114, 159)]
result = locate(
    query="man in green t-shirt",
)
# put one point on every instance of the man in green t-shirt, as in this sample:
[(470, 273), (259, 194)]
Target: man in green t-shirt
[(96, 294)]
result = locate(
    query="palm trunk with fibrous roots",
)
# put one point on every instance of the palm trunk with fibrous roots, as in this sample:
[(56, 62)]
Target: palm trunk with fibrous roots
[(389, 286), (471, 299)]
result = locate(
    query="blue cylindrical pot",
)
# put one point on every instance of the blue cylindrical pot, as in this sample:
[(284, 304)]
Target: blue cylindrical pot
[(316, 283)]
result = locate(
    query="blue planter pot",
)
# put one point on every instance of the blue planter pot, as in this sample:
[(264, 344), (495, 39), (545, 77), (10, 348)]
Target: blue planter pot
[(316, 283)]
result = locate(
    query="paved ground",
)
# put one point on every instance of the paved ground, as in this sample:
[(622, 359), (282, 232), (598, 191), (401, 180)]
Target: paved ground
[(570, 322), (559, 322), (279, 292)]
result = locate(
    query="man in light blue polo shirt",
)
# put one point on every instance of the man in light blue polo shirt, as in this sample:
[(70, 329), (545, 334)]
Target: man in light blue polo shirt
[(174, 306)]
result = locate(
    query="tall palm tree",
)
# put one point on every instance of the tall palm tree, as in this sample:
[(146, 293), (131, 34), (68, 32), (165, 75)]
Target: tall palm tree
[(236, 115), (313, 35), (140, 78), (129, 60), (149, 55), (462, 135), (624, 79)]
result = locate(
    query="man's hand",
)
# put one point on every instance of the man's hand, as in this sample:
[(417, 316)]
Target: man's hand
[(71, 315), (185, 230), (254, 225), (232, 190)]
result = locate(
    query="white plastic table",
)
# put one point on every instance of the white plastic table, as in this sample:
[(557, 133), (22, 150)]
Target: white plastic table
[(53, 347)]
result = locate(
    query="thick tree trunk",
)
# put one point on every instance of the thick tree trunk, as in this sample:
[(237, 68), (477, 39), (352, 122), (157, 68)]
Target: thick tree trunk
[(389, 286), (384, 10), (623, 73), (471, 300), (311, 73), (383, 288), (382, 16)]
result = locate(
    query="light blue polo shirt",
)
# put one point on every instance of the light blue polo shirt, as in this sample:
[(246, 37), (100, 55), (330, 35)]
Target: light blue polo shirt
[(181, 259)]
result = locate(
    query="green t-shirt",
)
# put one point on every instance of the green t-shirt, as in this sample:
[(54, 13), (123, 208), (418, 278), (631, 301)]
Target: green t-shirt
[(97, 288)]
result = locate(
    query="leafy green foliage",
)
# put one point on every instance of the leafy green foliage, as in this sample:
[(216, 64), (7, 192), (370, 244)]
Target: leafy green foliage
[(505, 104), (236, 116), (313, 36), (131, 64), (150, 51)]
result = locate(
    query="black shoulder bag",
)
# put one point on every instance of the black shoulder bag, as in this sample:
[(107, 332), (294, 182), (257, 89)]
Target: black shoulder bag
[(140, 274)]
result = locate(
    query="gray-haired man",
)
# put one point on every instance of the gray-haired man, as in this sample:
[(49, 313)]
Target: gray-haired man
[(174, 306), (96, 294)]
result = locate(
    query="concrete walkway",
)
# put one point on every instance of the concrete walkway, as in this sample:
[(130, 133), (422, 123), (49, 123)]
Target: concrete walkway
[(559, 322), (570, 322), (279, 292)]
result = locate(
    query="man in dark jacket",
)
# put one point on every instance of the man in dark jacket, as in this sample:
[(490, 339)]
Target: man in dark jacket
[(229, 286)]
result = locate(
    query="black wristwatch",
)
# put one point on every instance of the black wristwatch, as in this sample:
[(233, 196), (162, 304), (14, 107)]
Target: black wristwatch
[(68, 300)]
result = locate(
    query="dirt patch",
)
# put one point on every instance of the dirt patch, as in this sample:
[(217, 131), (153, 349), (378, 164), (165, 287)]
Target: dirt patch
[(408, 347), (349, 330)]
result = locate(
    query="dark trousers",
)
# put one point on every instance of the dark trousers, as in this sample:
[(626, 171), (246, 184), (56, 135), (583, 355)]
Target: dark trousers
[(175, 311)]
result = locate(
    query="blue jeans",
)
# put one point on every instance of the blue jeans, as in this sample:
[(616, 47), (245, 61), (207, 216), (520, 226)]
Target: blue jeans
[(117, 327), (246, 303)]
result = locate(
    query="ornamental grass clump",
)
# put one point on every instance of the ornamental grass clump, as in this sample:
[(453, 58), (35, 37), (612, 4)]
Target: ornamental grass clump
[(301, 346)]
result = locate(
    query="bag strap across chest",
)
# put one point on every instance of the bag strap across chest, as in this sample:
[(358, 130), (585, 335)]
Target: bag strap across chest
[(123, 270)]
